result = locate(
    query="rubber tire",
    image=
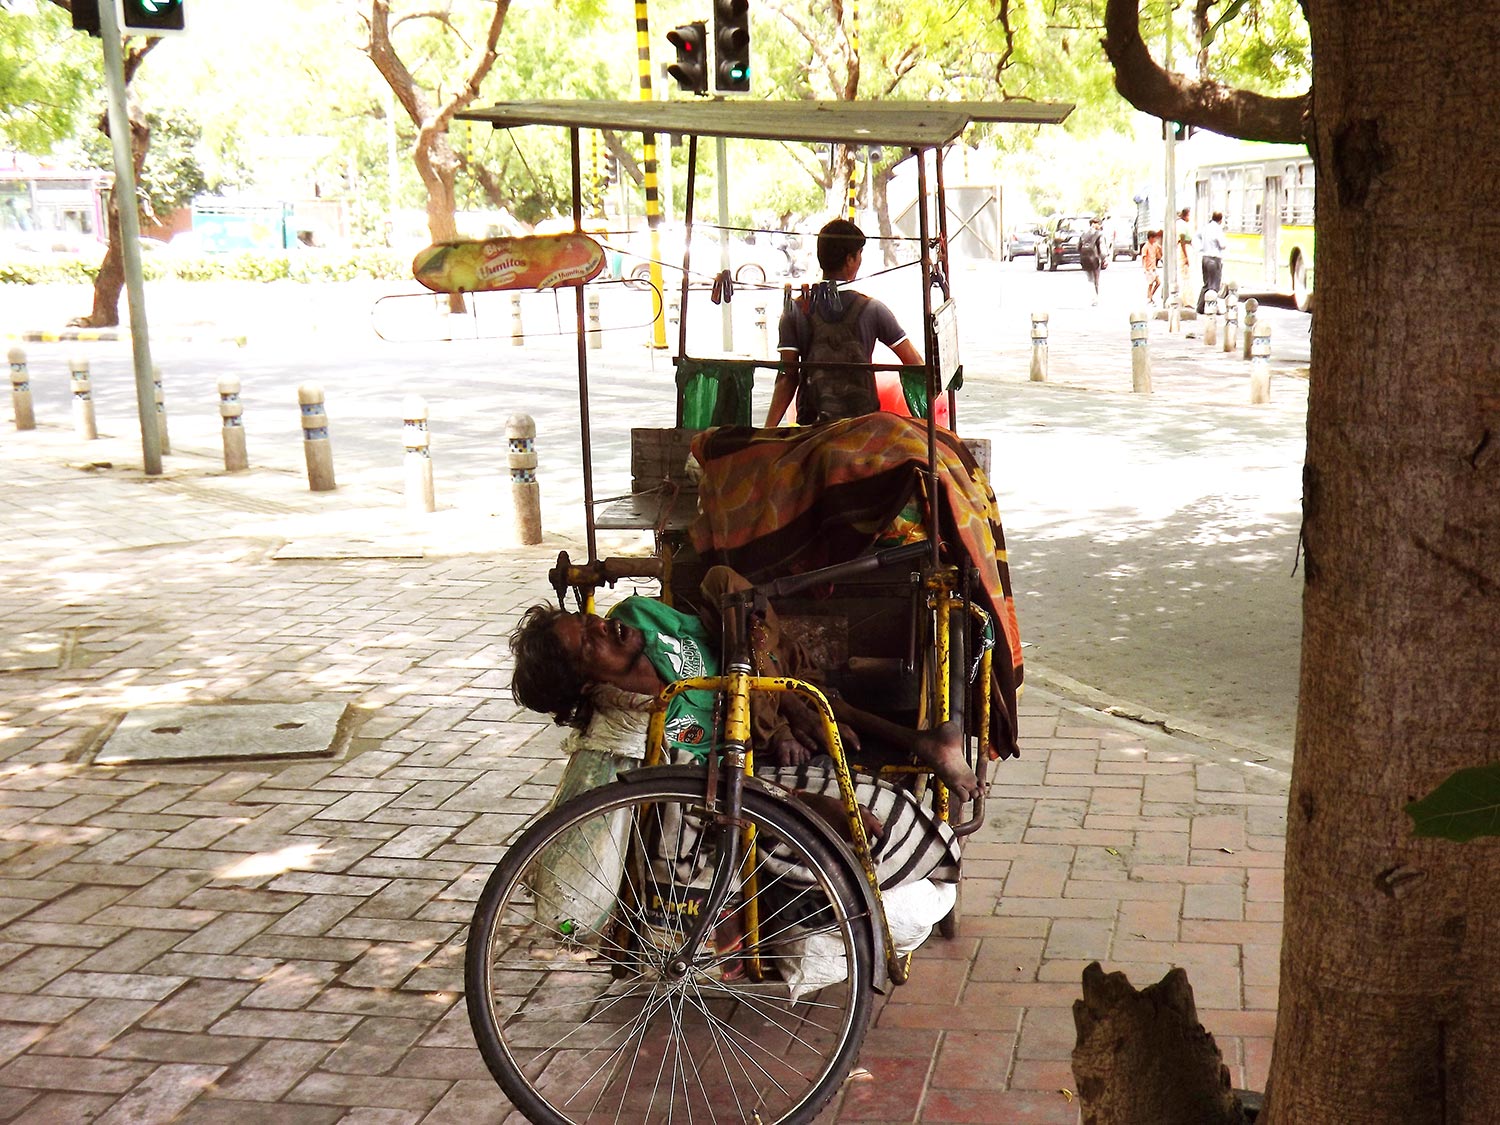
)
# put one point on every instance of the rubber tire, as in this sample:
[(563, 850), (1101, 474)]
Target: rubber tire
[(750, 273), (1301, 295), (639, 277), (758, 808)]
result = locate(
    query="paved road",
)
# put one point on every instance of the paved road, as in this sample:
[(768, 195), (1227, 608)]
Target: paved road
[(1152, 538)]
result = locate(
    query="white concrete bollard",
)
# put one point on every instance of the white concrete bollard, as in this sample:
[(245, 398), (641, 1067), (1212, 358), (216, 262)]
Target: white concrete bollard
[(315, 443), (420, 496), (526, 494), (596, 331), (20, 391), (1210, 319), (1231, 322), (1140, 353), (1260, 364), (674, 315), (161, 410), (231, 414), (762, 326), (517, 330), (1247, 328), (83, 399), (1174, 313), (1039, 329)]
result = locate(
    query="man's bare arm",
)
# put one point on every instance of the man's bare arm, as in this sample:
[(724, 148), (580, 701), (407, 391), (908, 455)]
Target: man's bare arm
[(907, 352), (784, 390)]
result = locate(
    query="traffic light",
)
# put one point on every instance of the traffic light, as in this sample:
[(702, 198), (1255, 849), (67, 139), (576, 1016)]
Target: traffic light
[(691, 68), (1179, 131), (731, 46), (135, 17), (151, 17), (86, 16)]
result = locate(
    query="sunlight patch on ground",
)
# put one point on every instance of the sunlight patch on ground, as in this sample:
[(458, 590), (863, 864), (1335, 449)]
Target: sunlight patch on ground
[(297, 857)]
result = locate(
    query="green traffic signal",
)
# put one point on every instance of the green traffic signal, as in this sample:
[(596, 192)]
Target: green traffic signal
[(151, 17)]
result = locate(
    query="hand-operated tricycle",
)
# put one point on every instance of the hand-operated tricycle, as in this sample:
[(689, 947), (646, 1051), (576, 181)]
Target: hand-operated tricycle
[(701, 937)]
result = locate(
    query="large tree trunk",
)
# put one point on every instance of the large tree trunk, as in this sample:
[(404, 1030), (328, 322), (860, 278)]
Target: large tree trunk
[(437, 165), (110, 279), (1390, 994)]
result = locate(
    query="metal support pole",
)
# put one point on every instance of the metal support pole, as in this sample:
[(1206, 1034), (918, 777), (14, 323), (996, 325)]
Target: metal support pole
[(1140, 353), (721, 147), (130, 234)]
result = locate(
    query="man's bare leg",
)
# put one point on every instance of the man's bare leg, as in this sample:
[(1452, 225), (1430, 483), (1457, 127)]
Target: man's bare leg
[(941, 748)]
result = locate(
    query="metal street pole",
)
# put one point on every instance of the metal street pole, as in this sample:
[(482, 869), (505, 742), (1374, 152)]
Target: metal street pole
[(130, 237), (722, 151), (1169, 222)]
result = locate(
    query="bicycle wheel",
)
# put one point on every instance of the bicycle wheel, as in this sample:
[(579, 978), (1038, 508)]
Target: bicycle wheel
[(586, 1019)]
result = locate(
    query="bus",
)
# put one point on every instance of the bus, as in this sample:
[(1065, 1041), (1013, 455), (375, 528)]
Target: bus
[(1266, 195), (47, 208)]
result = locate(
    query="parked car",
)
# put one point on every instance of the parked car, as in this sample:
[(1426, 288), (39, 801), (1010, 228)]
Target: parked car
[(1060, 246), (1021, 240), (1122, 236)]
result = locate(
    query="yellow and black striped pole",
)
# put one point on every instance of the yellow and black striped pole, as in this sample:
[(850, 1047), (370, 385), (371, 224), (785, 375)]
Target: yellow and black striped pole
[(653, 202), (854, 156)]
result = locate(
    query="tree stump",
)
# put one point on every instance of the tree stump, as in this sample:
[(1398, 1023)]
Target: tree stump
[(1142, 1058)]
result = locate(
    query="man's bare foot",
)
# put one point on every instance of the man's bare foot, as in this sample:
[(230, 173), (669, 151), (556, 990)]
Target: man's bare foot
[(943, 750)]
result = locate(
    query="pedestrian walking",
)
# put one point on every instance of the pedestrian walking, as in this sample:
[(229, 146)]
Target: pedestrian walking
[(1212, 244), (1151, 263), (1091, 253)]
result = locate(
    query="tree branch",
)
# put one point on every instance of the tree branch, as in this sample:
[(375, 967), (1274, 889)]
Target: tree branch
[(1202, 102)]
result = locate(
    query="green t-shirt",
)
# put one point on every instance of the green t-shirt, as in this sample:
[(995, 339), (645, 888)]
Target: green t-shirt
[(679, 648)]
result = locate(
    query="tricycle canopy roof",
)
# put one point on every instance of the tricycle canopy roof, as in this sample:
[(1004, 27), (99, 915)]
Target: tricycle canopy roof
[(907, 124)]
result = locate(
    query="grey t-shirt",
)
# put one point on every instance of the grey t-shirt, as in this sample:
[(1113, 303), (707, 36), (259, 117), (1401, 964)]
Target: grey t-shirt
[(876, 322)]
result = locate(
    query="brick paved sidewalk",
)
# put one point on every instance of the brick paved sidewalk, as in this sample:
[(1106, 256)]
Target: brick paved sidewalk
[(283, 942)]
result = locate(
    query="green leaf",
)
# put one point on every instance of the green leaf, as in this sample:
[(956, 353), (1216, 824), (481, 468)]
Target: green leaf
[(1229, 14), (1465, 805)]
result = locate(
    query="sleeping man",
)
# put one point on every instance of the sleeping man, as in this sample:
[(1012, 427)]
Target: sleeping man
[(642, 645)]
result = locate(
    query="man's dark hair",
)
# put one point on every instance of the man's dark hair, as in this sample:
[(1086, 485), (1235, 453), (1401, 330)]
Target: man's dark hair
[(1217, 216), (836, 241), (545, 679)]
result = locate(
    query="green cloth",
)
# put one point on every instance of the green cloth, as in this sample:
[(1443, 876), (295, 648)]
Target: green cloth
[(715, 392), (679, 648)]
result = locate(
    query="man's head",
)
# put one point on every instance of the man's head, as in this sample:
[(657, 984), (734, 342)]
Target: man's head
[(559, 654), (1217, 216), (839, 241), (1183, 214)]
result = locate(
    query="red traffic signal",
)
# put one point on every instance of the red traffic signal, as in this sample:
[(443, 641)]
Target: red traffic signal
[(691, 68)]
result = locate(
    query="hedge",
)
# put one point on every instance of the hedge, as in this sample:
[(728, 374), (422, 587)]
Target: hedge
[(300, 265)]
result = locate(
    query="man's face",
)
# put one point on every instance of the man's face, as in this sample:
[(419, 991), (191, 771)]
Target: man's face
[(602, 651)]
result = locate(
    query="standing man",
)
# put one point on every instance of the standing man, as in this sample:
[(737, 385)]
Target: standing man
[(834, 326), (1091, 252), (1213, 246), (1184, 237)]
